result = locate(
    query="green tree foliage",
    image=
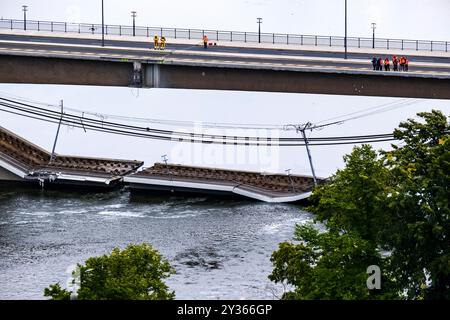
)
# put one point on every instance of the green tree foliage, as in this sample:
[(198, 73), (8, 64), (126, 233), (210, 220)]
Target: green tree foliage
[(135, 273), (56, 292), (394, 201), (327, 265), (418, 231), (355, 197)]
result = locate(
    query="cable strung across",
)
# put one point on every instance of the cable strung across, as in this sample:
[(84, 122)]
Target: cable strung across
[(42, 114)]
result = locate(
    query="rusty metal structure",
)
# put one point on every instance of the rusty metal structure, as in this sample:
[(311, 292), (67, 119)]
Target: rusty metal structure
[(20, 160), (189, 179)]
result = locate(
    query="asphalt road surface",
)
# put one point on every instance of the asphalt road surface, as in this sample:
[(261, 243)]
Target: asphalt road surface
[(245, 55)]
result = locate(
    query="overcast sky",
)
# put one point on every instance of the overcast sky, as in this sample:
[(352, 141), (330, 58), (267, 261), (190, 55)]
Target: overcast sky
[(415, 19), (396, 19)]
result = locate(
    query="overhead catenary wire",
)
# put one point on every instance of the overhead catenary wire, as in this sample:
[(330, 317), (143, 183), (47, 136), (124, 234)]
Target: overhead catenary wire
[(103, 121), (169, 122), (107, 127), (84, 121), (385, 107), (220, 125), (270, 142), (366, 112), (77, 118), (263, 142)]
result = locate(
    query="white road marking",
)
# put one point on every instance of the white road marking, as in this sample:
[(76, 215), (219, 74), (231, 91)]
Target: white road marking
[(202, 60)]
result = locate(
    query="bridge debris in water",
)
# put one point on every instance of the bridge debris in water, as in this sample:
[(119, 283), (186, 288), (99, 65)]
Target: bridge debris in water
[(20, 160), (189, 179)]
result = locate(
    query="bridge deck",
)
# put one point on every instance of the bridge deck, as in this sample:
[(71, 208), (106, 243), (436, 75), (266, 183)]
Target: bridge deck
[(261, 186), (20, 160), (30, 162), (82, 61)]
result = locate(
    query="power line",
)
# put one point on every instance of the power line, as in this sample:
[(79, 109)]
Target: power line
[(221, 125), (372, 111), (96, 125), (77, 119), (181, 123), (44, 112), (170, 131), (261, 142)]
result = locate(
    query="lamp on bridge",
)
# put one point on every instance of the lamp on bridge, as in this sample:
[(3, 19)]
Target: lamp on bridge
[(103, 25), (24, 8), (374, 26), (259, 29), (345, 37), (133, 14)]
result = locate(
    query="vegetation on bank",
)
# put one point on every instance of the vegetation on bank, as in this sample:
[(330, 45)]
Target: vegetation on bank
[(385, 208), (135, 273)]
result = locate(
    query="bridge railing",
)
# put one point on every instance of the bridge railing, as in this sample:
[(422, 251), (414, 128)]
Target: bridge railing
[(232, 36)]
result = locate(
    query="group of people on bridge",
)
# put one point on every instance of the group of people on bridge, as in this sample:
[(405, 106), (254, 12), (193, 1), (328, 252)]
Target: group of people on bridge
[(399, 64), (159, 43)]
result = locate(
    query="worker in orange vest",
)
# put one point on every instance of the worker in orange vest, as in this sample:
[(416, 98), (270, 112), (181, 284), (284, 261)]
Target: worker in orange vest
[(387, 64), (402, 63), (205, 41), (380, 64), (395, 63)]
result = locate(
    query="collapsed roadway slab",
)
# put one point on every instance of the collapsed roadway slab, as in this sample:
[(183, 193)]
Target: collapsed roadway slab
[(189, 179), (22, 161)]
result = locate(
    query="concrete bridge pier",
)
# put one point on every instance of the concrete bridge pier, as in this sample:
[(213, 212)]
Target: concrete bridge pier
[(151, 75)]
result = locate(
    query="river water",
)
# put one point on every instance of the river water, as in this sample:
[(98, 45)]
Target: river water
[(220, 247)]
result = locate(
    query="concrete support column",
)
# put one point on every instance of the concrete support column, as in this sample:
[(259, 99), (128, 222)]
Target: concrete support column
[(152, 76)]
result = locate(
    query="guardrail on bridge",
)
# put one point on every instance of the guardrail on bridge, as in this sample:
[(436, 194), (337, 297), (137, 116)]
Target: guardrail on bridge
[(232, 36)]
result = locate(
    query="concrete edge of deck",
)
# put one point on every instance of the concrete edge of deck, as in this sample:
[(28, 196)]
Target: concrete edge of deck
[(178, 185), (19, 163)]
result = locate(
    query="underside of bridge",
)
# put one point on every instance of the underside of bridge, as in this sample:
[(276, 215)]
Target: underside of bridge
[(107, 72)]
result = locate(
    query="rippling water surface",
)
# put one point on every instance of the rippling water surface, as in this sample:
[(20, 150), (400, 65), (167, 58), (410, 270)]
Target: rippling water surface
[(219, 247)]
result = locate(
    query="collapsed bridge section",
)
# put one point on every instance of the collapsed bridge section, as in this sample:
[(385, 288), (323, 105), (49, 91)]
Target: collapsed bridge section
[(21, 160), (189, 179)]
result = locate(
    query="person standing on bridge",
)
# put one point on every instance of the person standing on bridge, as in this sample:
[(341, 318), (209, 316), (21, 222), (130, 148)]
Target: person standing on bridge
[(379, 64), (395, 63), (406, 64), (163, 43), (374, 63), (402, 63), (155, 42), (387, 64), (205, 41)]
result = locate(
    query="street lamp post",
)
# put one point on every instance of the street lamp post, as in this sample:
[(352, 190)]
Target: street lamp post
[(345, 39), (24, 8), (133, 14), (103, 26), (374, 26), (259, 29)]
